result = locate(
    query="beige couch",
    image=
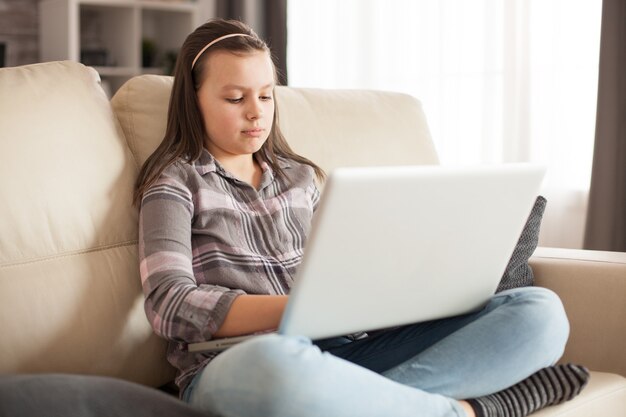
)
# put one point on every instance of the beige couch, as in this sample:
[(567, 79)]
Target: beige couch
[(70, 291)]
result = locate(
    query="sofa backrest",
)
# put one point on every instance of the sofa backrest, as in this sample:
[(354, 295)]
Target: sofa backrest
[(70, 290), (331, 127), (70, 293)]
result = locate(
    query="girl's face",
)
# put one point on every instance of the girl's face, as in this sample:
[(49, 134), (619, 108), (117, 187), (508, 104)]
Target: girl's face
[(236, 100)]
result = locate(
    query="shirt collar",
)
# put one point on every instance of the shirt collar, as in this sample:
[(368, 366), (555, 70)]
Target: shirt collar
[(207, 163)]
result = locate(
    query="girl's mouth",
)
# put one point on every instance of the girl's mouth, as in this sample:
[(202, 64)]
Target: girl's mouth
[(253, 132)]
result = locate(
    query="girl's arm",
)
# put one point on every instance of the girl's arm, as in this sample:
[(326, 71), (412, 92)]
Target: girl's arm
[(252, 313), (176, 305)]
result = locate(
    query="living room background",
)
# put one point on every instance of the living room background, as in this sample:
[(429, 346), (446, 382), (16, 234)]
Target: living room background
[(522, 70)]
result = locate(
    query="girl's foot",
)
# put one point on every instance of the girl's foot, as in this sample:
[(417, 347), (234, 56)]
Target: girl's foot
[(548, 386)]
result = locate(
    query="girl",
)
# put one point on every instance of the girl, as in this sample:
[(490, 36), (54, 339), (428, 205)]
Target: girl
[(225, 210)]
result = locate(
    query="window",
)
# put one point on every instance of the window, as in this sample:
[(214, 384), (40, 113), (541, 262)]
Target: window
[(500, 81)]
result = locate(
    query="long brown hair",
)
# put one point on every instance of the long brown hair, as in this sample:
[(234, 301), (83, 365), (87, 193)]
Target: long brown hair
[(185, 132)]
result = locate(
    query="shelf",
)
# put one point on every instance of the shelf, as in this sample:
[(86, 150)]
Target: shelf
[(119, 38), (153, 70), (107, 30), (188, 5), (117, 71), (184, 6)]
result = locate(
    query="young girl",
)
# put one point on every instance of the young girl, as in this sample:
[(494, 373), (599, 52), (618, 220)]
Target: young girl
[(225, 210)]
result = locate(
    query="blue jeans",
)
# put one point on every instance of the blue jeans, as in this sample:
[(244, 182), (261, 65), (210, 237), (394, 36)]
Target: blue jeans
[(420, 369)]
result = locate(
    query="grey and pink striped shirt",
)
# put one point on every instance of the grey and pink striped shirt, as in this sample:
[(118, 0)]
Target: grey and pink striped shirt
[(206, 237)]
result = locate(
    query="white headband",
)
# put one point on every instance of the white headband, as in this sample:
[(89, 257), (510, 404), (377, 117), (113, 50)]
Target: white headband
[(214, 41)]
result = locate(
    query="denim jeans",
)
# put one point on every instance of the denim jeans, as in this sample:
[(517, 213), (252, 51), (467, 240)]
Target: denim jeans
[(420, 369)]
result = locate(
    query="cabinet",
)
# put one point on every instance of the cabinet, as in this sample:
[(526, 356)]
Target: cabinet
[(119, 38)]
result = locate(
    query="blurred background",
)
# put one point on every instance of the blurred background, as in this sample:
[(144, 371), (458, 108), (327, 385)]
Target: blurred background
[(499, 80)]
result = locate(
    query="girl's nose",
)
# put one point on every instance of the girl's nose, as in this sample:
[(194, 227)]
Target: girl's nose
[(255, 111)]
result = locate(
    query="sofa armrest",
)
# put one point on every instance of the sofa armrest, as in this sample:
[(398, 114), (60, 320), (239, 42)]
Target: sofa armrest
[(592, 285)]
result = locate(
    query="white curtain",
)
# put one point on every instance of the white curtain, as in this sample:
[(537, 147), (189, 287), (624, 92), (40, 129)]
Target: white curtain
[(500, 80)]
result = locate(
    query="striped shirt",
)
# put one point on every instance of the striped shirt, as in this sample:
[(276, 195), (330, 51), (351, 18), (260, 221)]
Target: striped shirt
[(205, 237)]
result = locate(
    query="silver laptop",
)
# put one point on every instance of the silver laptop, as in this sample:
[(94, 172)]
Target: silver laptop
[(396, 245)]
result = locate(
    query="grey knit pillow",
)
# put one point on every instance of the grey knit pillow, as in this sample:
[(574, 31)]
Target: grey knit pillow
[(518, 273), (64, 395)]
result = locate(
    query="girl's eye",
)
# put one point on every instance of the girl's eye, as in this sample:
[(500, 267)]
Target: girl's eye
[(234, 100), (265, 98)]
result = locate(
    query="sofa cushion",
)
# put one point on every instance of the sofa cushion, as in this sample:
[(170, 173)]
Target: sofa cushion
[(337, 128), (331, 127), (69, 275)]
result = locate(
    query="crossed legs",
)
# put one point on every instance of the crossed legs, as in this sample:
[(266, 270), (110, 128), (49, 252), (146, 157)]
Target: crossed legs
[(423, 368)]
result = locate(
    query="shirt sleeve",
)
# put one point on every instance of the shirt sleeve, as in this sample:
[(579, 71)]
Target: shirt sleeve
[(177, 307), (314, 192)]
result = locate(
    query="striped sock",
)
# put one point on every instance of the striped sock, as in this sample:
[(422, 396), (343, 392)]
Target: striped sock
[(548, 386)]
